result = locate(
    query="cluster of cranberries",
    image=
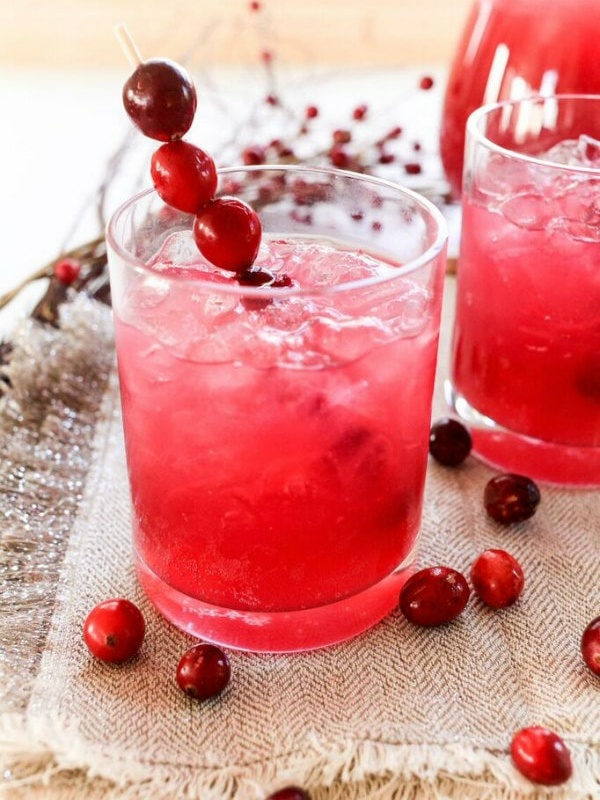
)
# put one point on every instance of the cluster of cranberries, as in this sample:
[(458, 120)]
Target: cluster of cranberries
[(114, 632), (160, 98), (437, 595)]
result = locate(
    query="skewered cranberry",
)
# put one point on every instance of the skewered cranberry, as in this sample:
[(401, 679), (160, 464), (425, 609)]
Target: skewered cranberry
[(228, 232), (590, 645), (160, 98), (184, 175), (434, 596), (114, 630), (497, 578), (511, 498), (449, 442), (541, 756), (203, 671)]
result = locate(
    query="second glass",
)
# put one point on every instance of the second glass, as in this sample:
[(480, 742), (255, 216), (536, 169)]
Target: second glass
[(526, 350), (276, 437)]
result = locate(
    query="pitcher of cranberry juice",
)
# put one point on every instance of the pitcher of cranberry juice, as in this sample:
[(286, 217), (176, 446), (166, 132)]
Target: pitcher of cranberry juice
[(510, 50)]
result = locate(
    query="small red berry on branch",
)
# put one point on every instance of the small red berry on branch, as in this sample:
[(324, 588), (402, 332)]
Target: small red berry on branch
[(67, 270)]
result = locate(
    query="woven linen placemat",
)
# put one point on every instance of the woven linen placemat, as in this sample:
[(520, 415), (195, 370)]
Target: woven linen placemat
[(399, 712)]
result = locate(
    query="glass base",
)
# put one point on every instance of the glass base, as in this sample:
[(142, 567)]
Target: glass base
[(546, 462), (275, 632)]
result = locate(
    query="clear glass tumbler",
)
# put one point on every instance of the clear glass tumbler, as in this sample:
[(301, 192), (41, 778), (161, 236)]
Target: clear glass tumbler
[(526, 349), (276, 436)]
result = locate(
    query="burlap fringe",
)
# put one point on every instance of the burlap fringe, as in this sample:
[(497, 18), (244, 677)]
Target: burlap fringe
[(70, 767)]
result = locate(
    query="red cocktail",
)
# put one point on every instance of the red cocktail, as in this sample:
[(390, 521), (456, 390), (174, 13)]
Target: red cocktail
[(276, 436), (526, 363)]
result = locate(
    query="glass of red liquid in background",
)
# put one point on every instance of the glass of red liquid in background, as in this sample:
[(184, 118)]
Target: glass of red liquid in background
[(277, 438), (526, 347), (511, 49)]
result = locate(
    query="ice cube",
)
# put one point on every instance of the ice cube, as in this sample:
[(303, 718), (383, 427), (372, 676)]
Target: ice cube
[(530, 211), (324, 266), (581, 152)]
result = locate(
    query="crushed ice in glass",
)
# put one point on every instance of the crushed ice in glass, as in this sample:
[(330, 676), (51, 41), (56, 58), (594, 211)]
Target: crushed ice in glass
[(293, 329), (581, 152)]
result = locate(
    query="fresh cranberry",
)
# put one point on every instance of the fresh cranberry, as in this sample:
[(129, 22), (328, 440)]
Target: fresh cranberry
[(434, 596), (590, 645), (541, 756), (228, 232), (426, 83), (184, 176), (114, 630), (67, 270), (497, 577), (289, 793), (203, 671), (511, 498), (311, 112), (449, 442), (160, 98)]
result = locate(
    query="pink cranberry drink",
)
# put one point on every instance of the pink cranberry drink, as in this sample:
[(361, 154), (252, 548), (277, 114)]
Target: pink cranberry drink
[(276, 436), (526, 355)]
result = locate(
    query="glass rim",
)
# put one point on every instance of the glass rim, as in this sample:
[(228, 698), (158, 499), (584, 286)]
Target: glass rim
[(474, 133), (432, 251)]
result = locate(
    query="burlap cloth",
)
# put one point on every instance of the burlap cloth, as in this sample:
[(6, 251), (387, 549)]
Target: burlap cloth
[(399, 712)]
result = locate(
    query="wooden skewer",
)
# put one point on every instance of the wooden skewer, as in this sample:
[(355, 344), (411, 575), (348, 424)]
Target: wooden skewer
[(128, 46)]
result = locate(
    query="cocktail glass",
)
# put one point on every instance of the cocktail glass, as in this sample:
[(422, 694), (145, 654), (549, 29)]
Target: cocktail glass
[(526, 350), (276, 437)]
